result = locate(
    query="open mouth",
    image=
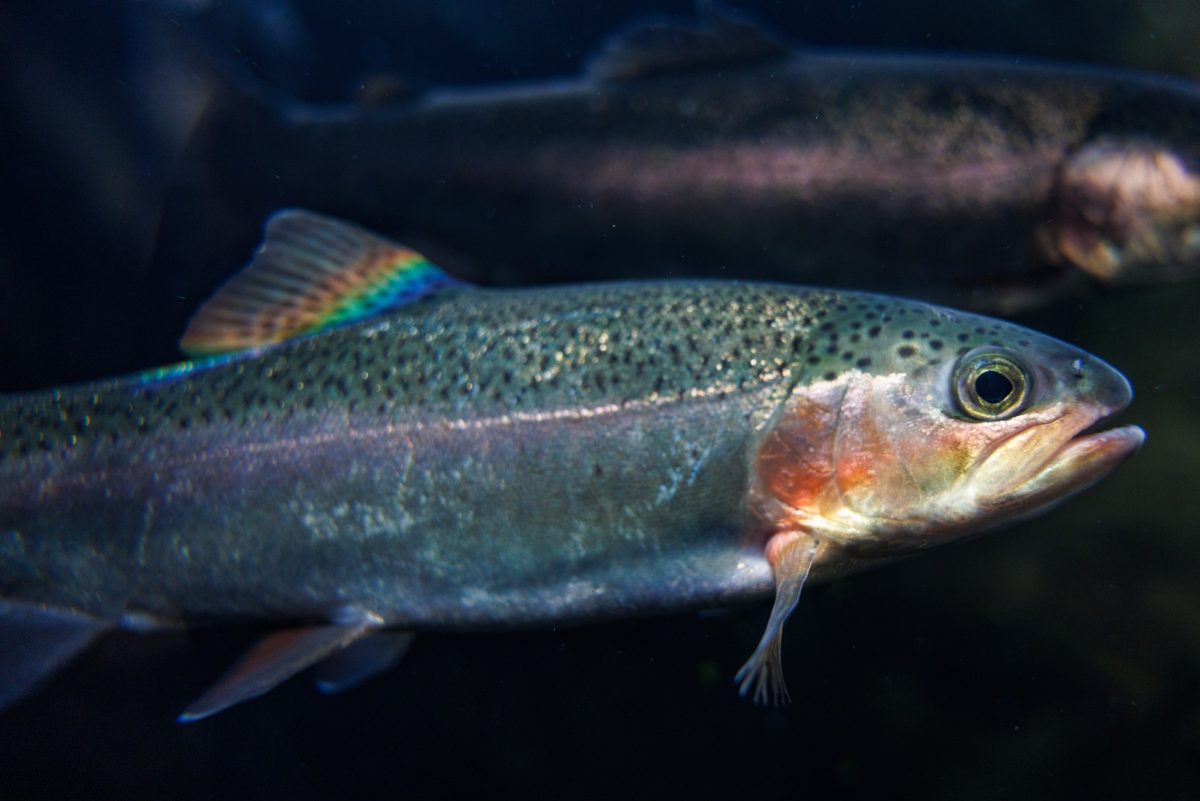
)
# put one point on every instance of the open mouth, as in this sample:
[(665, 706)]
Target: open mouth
[(1054, 459), (1090, 454), (1079, 462)]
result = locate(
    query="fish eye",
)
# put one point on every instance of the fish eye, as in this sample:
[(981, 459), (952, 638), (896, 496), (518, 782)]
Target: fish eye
[(990, 384)]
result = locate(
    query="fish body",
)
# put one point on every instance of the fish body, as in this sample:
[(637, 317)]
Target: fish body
[(491, 457), (467, 457), (988, 182)]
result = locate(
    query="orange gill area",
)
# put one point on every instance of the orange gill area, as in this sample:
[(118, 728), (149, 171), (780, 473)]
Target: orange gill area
[(796, 463), (829, 448), (864, 455)]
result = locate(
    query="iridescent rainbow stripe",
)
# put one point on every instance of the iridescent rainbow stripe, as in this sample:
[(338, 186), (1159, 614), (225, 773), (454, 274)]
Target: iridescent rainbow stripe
[(312, 273), (405, 280)]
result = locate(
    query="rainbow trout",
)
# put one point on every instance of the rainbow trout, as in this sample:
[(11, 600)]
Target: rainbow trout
[(366, 447), (712, 150)]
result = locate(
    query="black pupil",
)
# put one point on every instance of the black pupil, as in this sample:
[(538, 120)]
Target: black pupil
[(993, 387)]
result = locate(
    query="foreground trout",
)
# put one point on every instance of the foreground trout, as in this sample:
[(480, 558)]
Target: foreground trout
[(989, 182), (452, 457)]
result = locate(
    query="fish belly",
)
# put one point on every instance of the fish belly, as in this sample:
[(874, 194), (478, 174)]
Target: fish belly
[(504, 520)]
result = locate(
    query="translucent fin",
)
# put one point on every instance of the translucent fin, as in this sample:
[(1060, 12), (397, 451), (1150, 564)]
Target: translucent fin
[(35, 642), (657, 46), (272, 661), (312, 272), (361, 660), (763, 671)]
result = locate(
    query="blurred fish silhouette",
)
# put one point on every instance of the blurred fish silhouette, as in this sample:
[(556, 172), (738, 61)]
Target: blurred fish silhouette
[(712, 149)]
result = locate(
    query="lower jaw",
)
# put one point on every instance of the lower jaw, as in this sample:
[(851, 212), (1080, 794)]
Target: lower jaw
[(1080, 463)]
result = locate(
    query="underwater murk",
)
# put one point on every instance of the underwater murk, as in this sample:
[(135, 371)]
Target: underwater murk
[(1038, 165)]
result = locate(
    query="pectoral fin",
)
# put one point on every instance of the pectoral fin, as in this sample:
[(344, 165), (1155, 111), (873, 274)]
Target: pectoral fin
[(35, 641), (792, 556), (272, 661), (361, 660)]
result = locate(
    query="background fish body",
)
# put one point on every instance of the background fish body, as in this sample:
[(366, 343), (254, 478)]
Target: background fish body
[(957, 174)]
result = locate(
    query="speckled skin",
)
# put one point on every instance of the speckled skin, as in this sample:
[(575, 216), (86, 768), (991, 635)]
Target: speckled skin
[(481, 457), (916, 175)]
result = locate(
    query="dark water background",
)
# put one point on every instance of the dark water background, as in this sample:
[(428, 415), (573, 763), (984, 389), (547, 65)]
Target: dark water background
[(1058, 659)]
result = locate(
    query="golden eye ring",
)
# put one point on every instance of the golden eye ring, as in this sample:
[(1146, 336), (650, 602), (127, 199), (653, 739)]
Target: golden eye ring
[(991, 384)]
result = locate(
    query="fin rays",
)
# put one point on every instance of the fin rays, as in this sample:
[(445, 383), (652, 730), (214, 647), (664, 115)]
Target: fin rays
[(272, 661), (312, 272), (763, 671), (348, 655)]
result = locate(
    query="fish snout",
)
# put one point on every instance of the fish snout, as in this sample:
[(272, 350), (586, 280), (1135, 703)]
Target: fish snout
[(1102, 385)]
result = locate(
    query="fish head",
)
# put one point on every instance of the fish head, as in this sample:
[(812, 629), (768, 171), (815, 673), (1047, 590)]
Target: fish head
[(1127, 210), (934, 442)]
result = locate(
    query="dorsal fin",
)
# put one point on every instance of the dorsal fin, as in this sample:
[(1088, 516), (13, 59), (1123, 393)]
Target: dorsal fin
[(311, 272), (662, 45)]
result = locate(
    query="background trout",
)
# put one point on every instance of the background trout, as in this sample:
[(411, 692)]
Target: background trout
[(374, 447), (695, 151)]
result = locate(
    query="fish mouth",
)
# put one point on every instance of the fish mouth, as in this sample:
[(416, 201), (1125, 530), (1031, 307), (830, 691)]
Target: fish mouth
[(1092, 454), (1080, 460)]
